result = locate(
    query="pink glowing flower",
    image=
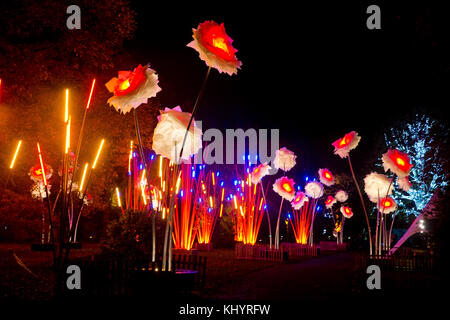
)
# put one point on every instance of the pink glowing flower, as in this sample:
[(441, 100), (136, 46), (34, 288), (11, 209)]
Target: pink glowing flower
[(329, 202), (346, 211), (285, 188), (404, 183), (299, 200), (259, 172), (133, 88), (326, 177), (341, 196), (215, 47), (398, 162), (284, 159), (314, 189), (387, 205), (343, 145)]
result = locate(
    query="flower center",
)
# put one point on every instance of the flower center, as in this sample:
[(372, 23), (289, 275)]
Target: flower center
[(219, 42), (287, 187), (344, 141), (124, 85), (328, 175), (400, 161)]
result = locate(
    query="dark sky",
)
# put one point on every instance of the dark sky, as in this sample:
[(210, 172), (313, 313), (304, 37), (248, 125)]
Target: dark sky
[(312, 70)]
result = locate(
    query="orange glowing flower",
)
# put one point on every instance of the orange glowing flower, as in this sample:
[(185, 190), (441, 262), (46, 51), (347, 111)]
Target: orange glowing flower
[(326, 177), (398, 162), (259, 172), (343, 145), (285, 188), (346, 211), (387, 205), (299, 200), (329, 202), (133, 88), (215, 47)]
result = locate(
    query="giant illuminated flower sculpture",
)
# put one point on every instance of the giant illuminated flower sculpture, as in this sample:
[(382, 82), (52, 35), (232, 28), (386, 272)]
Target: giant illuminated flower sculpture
[(341, 196), (398, 162), (343, 145), (299, 200), (259, 172), (36, 173), (326, 177), (387, 205), (215, 47), (314, 189), (133, 88), (346, 211), (404, 183), (285, 188), (377, 185), (284, 159), (169, 134), (329, 202)]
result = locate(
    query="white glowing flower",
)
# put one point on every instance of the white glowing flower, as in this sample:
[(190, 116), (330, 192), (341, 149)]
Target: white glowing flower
[(404, 183), (215, 47), (38, 190), (285, 188), (284, 159), (341, 196), (299, 200), (376, 186), (259, 172), (342, 146), (169, 134), (133, 88), (314, 189)]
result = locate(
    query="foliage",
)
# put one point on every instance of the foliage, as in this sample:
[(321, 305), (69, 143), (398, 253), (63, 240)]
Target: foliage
[(425, 141)]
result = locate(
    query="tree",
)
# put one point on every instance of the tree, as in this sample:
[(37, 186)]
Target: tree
[(425, 140)]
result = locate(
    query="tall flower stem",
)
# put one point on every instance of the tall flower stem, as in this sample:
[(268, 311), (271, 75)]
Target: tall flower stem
[(362, 203), (277, 231), (268, 217), (167, 256)]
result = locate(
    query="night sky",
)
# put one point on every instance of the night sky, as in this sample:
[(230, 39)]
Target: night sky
[(314, 70)]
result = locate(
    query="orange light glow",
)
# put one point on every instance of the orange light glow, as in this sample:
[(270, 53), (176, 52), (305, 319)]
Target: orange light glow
[(400, 161), (66, 107), (90, 94), (42, 164), (98, 153), (118, 197), (15, 154), (84, 175), (287, 187), (68, 136)]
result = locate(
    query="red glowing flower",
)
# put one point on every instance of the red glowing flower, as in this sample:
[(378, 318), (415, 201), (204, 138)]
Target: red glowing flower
[(398, 162), (387, 205), (299, 200), (285, 188), (215, 47), (326, 177), (329, 202), (343, 145), (346, 211), (133, 88)]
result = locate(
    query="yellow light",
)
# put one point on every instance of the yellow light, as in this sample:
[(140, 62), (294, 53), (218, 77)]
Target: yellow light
[(143, 194), (84, 175), (142, 178), (235, 203), (221, 208), (98, 153), (118, 197), (164, 186), (15, 154), (210, 202), (164, 213), (66, 109), (400, 161), (242, 212), (178, 183), (223, 194), (42, 165), (90, 94), (260, 204), (124, 85), (68, 136), (213, 180), (219, 42)]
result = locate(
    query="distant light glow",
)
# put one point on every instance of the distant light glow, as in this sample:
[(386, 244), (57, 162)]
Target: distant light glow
[(15, 154)]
